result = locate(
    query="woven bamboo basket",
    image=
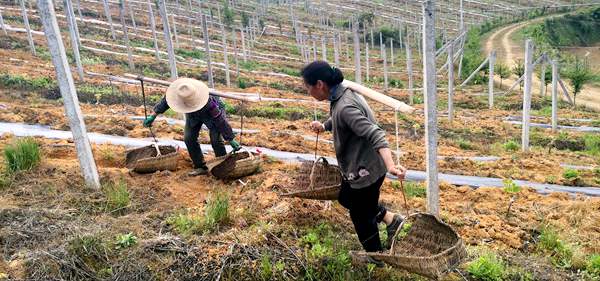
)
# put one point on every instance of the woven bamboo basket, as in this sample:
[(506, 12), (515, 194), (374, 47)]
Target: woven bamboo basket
[(321, 180), (235, 165), (144, 159), (430, 248)]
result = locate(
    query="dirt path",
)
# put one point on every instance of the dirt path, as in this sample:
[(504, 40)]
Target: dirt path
[(508, 51)]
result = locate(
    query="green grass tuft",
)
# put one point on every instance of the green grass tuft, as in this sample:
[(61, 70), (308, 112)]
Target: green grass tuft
[(217, 211), (185, 223), (117, 196), (487, 267), (561, 253), (22, 155)]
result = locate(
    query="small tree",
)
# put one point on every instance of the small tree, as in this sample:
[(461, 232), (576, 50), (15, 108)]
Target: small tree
[(227, 14), (547, 78), (519, 70), (245, 20), (502, 71), (579, 74)]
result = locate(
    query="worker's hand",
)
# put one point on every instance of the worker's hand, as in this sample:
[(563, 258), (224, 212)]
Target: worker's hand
[(149, 120), (235, 145), (398, 171), (317, 126)]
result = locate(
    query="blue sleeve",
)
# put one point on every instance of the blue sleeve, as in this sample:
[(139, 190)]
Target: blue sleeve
[(161, 106)]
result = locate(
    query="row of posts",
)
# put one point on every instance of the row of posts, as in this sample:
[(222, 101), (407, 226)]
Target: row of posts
[(84, 153)]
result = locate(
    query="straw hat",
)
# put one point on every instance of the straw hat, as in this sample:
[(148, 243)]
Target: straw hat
[(187, 95)]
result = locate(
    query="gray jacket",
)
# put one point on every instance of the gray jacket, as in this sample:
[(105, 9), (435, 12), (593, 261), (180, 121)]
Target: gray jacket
[(357, 138)]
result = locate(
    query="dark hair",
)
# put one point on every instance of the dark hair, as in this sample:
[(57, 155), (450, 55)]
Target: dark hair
[(321, 70)]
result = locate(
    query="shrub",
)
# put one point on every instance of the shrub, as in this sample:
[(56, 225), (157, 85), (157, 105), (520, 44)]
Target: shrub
[(22, 155), (487, 267), (465, 144), (592, 144), (593, 265), (511, 146), (26, 83), (510, 186), (571, 174), (125, 240)]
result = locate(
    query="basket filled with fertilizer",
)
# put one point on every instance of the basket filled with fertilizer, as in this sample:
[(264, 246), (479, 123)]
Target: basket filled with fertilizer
[(152, 158), (235, 165), (317, 180), (423, 245)]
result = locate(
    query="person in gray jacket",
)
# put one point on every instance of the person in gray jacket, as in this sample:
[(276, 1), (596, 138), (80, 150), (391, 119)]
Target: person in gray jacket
[(362, 152)]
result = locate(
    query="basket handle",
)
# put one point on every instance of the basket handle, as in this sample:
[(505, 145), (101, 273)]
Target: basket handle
[(312, 172), (245, 149)]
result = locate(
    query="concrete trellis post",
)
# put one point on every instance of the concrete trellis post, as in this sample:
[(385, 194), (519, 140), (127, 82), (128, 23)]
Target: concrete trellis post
[(153, 26), (74, 43), (314, 48), (462, 16), (383, 56), (324, 48), (527, 94), (491, 79), (235, 52), (211, 82), (385, 69), (190, 15), (175, 31), (367, 63), (69, 95), (71, 20), (409, 69), (347, 49), (243, 45), (429, 94), (400, 37), (225, 55), (126, 34), (543, 79), (450, 83), (132, 16), (336, 54), (79, 9), (392, 52), (162, 9), (2, 23), (357, 70), (372, 39), (26, 21), (109, 18), (555, 78)]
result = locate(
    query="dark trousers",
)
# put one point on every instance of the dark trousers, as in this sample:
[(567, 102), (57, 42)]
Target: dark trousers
[(365, 212), (190, 137)]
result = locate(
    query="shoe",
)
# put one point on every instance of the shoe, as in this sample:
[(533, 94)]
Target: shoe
[(375, 261), (392, 228), (198, 172), (361, 259)]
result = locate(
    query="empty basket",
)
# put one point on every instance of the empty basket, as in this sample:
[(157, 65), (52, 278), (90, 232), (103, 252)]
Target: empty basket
[(317, 180), (430, 247)]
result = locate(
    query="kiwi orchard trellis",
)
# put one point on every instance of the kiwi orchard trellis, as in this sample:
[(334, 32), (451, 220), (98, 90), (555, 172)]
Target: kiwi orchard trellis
[(323, 30)]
